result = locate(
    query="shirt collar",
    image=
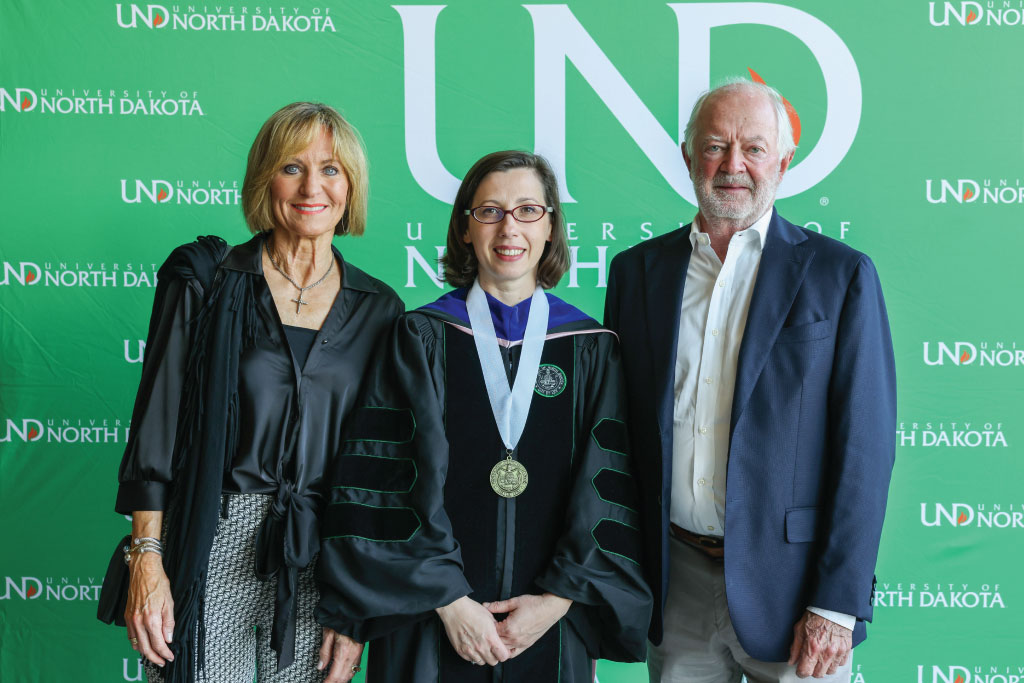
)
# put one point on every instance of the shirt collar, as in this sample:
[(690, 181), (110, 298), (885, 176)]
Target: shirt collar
[(248, 258), (760, 226)]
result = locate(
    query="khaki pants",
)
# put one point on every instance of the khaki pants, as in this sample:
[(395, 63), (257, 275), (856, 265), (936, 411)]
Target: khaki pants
[(700, 645)]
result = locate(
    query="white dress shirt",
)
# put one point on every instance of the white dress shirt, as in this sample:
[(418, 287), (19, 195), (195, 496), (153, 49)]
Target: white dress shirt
[(716, 300)]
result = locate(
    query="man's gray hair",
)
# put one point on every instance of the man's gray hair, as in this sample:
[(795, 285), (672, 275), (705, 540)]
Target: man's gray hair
[(785, 143)]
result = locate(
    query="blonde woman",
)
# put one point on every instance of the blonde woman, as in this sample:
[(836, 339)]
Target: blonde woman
[(255, 354)]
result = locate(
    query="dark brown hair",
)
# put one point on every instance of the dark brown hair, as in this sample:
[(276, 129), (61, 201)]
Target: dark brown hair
[(289, 131), (460, 264)]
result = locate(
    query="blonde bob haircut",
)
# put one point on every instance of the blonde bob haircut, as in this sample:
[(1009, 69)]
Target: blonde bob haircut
[(289, 131)]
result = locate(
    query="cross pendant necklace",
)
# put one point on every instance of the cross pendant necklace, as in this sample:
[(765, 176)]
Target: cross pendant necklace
[(299, 303)]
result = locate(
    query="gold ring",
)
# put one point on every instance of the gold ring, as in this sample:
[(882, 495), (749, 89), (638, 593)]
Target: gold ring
[(135, 641), (356, 669)]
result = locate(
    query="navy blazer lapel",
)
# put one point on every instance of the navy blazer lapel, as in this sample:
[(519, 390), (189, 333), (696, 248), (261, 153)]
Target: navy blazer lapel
[(665, 277), (783, 265)]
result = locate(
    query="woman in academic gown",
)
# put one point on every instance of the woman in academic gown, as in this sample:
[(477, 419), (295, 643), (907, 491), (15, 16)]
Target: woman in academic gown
[(482, 524)]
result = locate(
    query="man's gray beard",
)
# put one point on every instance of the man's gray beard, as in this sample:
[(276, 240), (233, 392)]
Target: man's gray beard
[(713, 205)]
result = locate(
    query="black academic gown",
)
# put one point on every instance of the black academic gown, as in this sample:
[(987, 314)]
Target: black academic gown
[(413, 524)]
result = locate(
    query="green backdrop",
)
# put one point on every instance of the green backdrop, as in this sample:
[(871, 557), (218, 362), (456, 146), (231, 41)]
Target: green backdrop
[(123, 133)]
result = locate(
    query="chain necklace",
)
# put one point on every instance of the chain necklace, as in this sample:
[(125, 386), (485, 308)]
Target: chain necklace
[(299, 303)]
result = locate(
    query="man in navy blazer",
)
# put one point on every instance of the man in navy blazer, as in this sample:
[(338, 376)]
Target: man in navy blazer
[(762, 395)]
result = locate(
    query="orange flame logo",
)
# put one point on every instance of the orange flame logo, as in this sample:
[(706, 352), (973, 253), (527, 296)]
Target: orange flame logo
[(25, 104), (962, 518), (794, 118), (161, 195), (965, 356), (158, 19), (30, 276), (971, 16), (33, 433), (959, 678), (32, 590), (968, 193)]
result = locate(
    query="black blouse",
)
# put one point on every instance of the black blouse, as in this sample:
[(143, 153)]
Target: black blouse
[(300, 341), (290, 413)]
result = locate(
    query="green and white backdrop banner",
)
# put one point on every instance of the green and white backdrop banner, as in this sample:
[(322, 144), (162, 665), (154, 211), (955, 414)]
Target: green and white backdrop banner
[(124, 129)]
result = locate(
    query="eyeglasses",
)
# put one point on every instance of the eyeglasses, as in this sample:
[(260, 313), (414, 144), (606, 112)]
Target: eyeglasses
[(526, 213)]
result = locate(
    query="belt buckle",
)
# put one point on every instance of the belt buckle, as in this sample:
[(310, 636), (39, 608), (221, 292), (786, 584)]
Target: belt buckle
[(708, 542)]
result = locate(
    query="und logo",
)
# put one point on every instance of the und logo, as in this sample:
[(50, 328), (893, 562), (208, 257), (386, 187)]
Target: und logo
[(550, 381)]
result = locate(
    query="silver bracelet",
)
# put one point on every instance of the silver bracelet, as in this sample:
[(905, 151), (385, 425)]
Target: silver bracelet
[(143, 544)]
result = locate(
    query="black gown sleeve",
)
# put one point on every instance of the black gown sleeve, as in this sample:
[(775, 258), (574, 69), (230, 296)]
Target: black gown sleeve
[(387, 553), (597, 560), (145, 473)]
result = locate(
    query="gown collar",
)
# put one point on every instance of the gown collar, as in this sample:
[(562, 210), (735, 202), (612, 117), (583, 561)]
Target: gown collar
[(509, 321)]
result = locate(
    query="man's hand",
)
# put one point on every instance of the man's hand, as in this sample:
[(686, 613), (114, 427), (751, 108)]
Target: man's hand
[(529, 617), (819, 646)]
